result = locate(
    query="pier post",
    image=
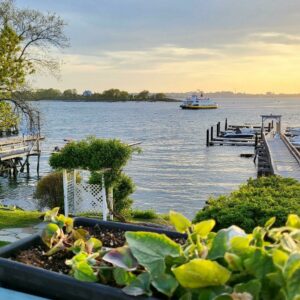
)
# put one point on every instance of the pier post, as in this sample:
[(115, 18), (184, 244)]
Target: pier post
[(207, 138), (226, 126), (211, 133), (38, 165), (269, 127), (27, 165), (256, 140), (218, 129)]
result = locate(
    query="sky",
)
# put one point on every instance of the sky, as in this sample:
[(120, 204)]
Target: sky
[(248, 46)]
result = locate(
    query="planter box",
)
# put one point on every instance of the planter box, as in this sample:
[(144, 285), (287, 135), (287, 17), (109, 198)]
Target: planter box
[(37, 281)]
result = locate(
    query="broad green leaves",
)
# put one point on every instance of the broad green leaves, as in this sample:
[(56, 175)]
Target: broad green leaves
[(227, 265), (121, 257), (180, 222), (151, 249), (204, 228), (221, 242), (201, 273)]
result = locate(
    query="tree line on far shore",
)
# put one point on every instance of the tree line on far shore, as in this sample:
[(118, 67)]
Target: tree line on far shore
[(107, 95)]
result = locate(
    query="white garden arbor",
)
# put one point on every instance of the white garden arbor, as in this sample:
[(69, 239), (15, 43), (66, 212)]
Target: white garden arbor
[(82, 197)]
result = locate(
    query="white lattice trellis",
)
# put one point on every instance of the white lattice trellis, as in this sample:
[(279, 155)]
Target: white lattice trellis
[(82, 197)]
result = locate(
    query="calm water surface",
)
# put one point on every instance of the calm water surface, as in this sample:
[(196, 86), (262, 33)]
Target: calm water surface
[(175, 169)]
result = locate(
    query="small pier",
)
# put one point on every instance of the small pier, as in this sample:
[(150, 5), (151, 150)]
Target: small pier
[(16, 151), (274, 153), (279, 156), (214, 135)]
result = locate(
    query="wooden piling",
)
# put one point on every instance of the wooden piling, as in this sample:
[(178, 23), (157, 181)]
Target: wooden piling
[(226, 125), (207, 138), (218, 129), (269, 127), (256, 140), (211, 133)]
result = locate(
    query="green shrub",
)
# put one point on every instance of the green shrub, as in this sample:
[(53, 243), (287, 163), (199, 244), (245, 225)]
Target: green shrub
[(254, 203), (50, 192), (147, 214), (94, 155)]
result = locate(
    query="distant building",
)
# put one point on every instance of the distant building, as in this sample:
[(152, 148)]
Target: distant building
[(87, 93)]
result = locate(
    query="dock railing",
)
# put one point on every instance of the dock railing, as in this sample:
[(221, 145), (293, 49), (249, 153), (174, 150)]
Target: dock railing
[(291, 148), (267, 148)]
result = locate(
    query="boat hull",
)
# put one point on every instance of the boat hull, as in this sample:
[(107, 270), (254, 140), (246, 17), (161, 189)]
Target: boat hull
[(199, 107)]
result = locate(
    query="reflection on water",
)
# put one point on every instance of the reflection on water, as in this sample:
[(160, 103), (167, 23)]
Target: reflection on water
[(175, 169)]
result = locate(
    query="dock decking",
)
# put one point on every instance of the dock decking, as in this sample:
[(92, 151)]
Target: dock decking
[(284, 157)]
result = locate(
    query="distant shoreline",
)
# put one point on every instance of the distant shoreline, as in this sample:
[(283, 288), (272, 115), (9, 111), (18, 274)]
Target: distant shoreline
[(105, 100)]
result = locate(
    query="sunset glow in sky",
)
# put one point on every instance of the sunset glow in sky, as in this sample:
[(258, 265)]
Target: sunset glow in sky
[(177, 46)]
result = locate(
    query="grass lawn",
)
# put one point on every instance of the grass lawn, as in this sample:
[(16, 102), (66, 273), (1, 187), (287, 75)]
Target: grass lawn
[(18, 218), (3, 243)]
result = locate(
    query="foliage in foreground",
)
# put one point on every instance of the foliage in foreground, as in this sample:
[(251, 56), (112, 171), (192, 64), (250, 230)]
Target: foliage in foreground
[(254, 203), (228, 264)]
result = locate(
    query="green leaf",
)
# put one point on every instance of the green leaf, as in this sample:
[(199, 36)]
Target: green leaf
[(121, 257), (50, 233), (259, 264), (252, 287), (293, 221), (123, 277), (279, 258), (93, 245), (50, 215), (222, 241), (291, 273), (180, 222), (78, 246), (234, 261), (204, 228), (201, 273), (166, 284), (139, 286), (270, 223), (84, 272), (151, 249)]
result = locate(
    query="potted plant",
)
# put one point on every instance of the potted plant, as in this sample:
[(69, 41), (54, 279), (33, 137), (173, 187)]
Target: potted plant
[(223, 265)]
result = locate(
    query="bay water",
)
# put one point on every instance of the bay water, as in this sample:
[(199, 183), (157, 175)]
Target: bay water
[(175, 169)]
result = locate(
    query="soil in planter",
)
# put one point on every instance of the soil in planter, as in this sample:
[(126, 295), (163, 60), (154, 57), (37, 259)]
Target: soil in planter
[(114, 238), (34, 256)]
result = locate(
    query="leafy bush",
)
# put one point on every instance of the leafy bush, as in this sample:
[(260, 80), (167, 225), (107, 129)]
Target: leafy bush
[(254, 203), (223, 265), (50, 192), (147, 214), (94, 155)]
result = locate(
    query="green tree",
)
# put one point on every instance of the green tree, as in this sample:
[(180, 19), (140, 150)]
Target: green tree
[(143, 95), (13, 68), (160, 96), (70, 93), (8, 118)]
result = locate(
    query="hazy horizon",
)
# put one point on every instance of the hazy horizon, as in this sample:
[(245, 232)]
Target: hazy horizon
[(165, 45)]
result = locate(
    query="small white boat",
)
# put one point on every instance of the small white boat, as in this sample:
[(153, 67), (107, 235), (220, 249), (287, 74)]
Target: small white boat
[(196, 102)]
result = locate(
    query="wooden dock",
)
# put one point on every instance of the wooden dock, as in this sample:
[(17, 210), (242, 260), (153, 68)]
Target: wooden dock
[(284, 157), (13, 150)]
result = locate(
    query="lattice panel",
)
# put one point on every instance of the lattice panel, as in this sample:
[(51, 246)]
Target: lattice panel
[(82, 197), (70, 192), (88, 198)]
